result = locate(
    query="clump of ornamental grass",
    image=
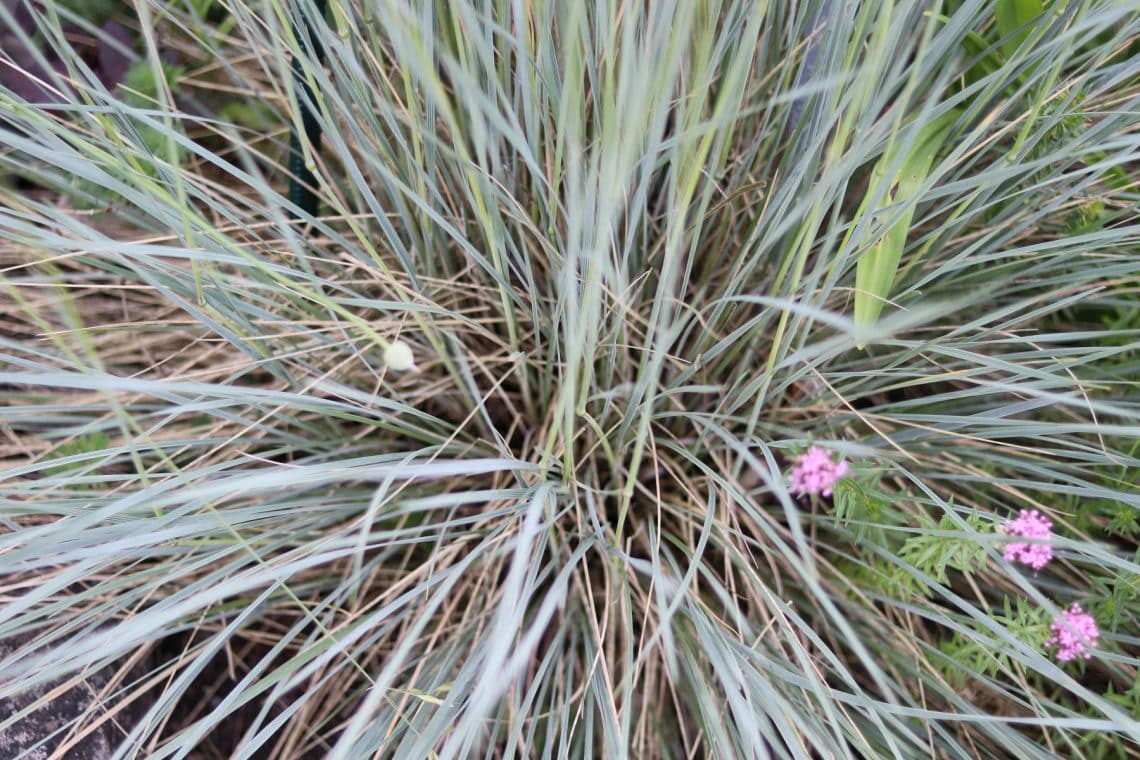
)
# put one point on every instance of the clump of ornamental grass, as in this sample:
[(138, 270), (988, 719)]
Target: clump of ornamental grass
[(618, 243)]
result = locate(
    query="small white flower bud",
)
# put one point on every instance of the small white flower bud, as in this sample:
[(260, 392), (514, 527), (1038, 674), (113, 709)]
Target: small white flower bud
[(399, 357)]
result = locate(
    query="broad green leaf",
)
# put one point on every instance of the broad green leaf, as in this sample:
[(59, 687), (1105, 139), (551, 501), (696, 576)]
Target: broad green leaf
[(876, 269), (1012, 18)]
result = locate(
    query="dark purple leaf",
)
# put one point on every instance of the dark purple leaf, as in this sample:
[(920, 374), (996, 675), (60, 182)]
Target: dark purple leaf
[(22, 13), (113, 58)]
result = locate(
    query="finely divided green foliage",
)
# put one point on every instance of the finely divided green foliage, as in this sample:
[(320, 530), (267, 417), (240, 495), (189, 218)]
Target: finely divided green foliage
[(622, 239)]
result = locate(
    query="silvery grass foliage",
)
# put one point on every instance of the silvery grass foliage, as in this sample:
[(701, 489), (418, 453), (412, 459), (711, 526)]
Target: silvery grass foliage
[(620, 240)]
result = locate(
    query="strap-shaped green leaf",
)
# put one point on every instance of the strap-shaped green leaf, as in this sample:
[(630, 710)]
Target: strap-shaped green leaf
[(875, 272), (1014, 16)]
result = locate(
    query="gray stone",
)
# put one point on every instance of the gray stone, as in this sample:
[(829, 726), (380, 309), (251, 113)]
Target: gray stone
[(43, 733)]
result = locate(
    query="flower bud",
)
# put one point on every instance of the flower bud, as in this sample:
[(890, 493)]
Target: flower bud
[(398, 356)]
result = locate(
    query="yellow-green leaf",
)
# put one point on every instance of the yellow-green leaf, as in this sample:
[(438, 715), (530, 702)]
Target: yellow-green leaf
[(875, 271), (1014, 16)]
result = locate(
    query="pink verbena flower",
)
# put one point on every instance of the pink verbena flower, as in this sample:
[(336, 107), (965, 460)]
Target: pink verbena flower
[(815, 473), (1029, 524), (1074, 634)]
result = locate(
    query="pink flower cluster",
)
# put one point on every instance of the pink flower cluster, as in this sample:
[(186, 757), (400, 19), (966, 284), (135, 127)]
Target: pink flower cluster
[(1074, 633), (816, 473), (1029, 524)]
